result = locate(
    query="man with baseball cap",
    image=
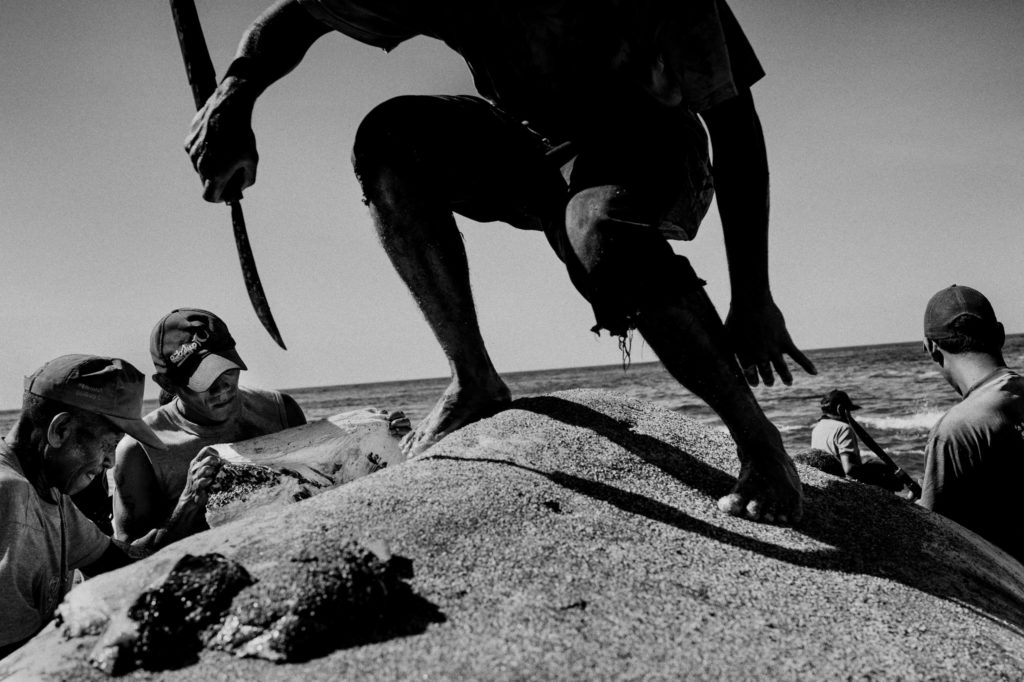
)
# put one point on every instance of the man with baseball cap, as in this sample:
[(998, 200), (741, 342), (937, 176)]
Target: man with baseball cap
[(74, 410), (974, 459), (834, 435), (197, 365)]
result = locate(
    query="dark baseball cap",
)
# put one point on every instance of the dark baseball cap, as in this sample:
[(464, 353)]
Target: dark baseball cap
[(108, 387), (193, 347), (952, 303), (834, 399)]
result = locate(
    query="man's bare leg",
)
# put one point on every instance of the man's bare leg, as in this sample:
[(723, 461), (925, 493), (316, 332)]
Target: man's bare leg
[(423, 242), (623, 266), (689, 339)]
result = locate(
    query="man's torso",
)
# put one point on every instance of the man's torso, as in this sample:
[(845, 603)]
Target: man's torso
[(559, 63), (975, 461), (261, 412), (41, 543)]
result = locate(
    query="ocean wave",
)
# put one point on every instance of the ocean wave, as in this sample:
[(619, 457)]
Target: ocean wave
[(911, 422)]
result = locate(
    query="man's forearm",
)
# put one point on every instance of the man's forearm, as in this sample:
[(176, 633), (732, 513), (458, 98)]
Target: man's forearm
[(741, 185), (188, 514), (274, 45)]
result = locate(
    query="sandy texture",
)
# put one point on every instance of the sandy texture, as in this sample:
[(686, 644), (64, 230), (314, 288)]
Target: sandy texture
[(576, 536)]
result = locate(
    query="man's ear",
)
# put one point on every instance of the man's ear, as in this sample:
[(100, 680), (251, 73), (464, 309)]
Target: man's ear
[(934, 351), (59, 430)]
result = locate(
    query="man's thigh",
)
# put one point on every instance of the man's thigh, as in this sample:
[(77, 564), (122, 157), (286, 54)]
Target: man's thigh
[(483, 164), (657, 159)]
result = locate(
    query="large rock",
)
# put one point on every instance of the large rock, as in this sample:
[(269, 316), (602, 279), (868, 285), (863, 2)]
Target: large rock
[(576, 536)]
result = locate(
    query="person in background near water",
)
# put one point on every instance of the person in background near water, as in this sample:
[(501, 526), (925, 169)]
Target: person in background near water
[(974, 459), (834, 435), (74, 410), (196, 362), (622, 89)]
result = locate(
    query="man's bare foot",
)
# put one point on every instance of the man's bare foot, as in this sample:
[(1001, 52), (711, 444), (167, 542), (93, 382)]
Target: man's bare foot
[(457, 407), (767, 490)]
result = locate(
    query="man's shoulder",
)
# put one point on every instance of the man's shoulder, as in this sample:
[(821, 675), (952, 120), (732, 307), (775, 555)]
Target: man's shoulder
[(255, 394), (17, 497), (827, 424), (264, 410), (13, 486), (161, 414)]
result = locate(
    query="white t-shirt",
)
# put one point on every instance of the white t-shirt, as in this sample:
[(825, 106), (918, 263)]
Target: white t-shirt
[(836, 438)]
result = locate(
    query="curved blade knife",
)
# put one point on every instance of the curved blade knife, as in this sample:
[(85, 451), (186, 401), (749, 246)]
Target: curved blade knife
[(203, 80)]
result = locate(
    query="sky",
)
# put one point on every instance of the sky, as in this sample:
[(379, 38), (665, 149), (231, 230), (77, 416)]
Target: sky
[(895, 136)]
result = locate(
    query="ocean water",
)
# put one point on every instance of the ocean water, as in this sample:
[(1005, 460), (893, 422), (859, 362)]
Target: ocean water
[(901, 393)]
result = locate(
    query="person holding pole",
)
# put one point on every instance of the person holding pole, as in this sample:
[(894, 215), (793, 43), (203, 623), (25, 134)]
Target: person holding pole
[(836, 433)]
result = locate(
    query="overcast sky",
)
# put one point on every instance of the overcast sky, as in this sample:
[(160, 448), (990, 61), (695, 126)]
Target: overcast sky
[(895, 133)]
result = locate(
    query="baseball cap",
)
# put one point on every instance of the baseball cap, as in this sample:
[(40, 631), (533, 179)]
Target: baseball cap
[(952, 303), (834, 399), (109, 387), (193, 347)]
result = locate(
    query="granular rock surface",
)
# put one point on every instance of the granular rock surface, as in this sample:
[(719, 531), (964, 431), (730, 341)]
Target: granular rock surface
[(576, 536)]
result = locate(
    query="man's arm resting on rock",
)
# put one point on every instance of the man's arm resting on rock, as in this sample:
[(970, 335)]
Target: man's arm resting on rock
[(136, 493), (120, 553), (138, 514)]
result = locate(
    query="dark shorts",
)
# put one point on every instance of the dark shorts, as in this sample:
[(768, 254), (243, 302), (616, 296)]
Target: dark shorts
[(491, 167)]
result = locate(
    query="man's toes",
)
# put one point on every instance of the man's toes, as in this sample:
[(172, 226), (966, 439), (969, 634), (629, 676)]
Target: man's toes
[(756, 509), (733, 504), (406, 443)]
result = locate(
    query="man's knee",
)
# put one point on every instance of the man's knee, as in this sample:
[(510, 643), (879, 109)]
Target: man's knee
[(385, 139), (618, 259)]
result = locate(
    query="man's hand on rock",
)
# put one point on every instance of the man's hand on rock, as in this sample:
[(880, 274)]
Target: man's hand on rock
[(201, 472)]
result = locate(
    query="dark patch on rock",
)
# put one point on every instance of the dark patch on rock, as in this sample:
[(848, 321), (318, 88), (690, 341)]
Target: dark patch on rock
[(166, 624), (314, 601), (553, 505), (239, 481), (323, 599)]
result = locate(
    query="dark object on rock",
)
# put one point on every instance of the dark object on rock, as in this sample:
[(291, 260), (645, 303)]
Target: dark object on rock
[(316, 601), (821, 460), (311, 602), (873, 472), (165, 625), (877, 473), (238, 481)]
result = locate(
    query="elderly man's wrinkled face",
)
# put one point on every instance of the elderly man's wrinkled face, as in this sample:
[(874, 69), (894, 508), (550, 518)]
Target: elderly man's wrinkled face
[(214, 405), (87, 453)]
